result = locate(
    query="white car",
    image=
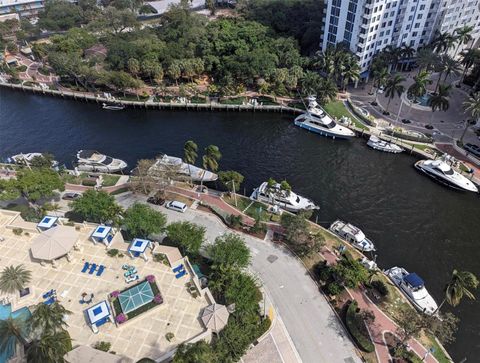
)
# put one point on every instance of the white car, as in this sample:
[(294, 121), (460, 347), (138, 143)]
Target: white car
[(381, 89), (176, 206)]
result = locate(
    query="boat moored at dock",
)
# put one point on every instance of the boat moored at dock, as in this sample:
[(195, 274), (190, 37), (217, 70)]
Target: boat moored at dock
[(378, 144), (285, 199), (174, 165), (26, 159), (443, 173), (113, 106), (413, 287), (352, 234), (91, 160), (315, 119)]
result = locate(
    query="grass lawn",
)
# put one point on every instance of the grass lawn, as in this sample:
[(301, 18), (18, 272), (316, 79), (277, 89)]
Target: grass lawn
[(110, 180), (252, 208), (266, 101), (233, 101), (337, 109), (179, 198), (429, 342)]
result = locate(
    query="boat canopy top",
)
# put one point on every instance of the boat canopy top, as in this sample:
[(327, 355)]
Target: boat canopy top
[(414, 280)]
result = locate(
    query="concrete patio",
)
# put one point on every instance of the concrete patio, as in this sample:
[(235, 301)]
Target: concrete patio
[(143, 336)]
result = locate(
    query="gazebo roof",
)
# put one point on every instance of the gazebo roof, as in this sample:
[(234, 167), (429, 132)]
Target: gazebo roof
[(98, 312), (54, 243), (139, 245), (101, 231), (215, 317), (47, 222)]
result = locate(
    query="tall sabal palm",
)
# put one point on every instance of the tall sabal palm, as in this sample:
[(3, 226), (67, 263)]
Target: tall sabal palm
[(450, 67), (472, 106), (419, 87), (380, 78), (439, 100), (49, 319), (443, 42), (210, 158), (49, 348), (326, 90), (351, 71), (463, 35), (469, 58), (460, 284), (190, 155), (394, 87), (14, 278), (406, 53), (325, 61), (393, 54), (12, 331), (426, 59)]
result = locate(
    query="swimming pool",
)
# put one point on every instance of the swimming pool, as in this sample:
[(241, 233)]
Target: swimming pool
[(5, 312)]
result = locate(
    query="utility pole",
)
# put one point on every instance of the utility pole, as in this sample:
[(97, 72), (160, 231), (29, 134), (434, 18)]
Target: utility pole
[(234, 194)]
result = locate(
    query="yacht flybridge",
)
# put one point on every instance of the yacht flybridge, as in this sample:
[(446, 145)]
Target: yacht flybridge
[(442, 172), (352, 234), (284, 199), (413, 287), (176, 165), (315, 119), (91, 160)]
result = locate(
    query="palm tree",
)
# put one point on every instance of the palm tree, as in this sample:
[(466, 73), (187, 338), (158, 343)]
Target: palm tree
[(439, 100), (394, 86), (469, 58), (49, 319), (443, 42), (451, 66), (472, 105), (211, 158), (380, 79), (326, 90), (351, 71), (419, 87), (49, 348), (393, 54), (426, 59), (406, 53), (190, 154), (14, 278), (12, 331), (459, 286), (463, 36)]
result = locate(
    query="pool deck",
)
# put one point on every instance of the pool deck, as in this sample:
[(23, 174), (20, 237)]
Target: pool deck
[(144, 335)]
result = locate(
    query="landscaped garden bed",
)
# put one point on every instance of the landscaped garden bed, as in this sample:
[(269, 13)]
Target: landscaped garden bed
[(135, 300)]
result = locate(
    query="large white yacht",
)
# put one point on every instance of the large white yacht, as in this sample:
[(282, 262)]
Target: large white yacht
[(287, 200), (413, 288), (26, 159), (315, 119), (378, 144), (442, 172), (176, 165), (352, 234), (91, 160)]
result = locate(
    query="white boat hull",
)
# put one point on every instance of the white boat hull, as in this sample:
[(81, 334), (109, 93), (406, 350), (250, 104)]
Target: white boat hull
[(322, 132), (463, 184), (384, 146)]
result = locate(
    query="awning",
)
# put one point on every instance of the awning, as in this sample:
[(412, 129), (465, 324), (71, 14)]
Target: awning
[(215, 317), (54, 243), (139, 245), (101, 232), (98, 312), (47, 222)]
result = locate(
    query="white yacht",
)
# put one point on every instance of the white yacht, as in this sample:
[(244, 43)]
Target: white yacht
[(287, 200), (378, 144), (91, 160), (318, 121), (113, 106), (442, 172), (176, 165), (352, 234), (413, 288), (26, 159)]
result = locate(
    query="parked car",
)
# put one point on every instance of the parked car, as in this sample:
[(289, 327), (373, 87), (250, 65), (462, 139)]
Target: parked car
[(157, 200), (474, 149), (381, 89), (71, 196), (406, 121), (176, 206)]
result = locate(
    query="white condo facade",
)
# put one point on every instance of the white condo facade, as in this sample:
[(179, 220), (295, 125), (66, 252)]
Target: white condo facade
[(368, 26)]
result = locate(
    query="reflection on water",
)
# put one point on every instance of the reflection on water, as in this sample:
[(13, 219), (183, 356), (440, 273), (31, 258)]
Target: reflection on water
[(414, 222)]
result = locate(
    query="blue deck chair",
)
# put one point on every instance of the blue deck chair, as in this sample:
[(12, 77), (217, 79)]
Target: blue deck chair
[(49, 294), (178, 268), (101, 268), (50, 301), (181, 274), (93, 267), (85, 267), (109, 238)]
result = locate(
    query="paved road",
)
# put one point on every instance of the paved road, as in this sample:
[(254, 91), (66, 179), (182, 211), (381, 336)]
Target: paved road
[(311, 323)]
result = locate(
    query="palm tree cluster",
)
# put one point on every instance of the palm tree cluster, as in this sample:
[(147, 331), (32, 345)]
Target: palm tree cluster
[(43, 334), (209, 160), (460, 285)]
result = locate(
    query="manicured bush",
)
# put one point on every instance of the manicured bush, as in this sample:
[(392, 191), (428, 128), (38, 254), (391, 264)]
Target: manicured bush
[(334, 289), (103, 346), (17, 231), (158, 299), (380, 287), (115, 294), (89, 182), (234, 220), (357, 328), (169, 336), (121, 318), (150, 278), (113, 252)]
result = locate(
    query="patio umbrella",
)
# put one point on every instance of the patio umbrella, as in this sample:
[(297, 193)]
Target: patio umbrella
[(215, 317), (54, 243)]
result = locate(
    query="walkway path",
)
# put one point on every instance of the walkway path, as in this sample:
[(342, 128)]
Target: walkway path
[(382, 323)]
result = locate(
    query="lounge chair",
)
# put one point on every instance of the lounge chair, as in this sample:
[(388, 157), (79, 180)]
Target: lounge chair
[(93, 267), (125, 267), (49, 294), (131, 278), (181, 274), (109, 238), (101, 268), (50, 301), (130, 272), (85, 267), (178, 268)]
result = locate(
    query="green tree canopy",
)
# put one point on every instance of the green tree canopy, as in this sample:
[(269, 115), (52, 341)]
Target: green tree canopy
[(197, 352), (140, 220), (298, 234), (49, 318), (229, 250), (96, 206), (231, 179), (187, 236), (60, 15), (14, 278), (37, 183)]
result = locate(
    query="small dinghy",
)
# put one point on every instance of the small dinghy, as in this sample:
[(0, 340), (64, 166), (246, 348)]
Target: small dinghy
[(378, 144)]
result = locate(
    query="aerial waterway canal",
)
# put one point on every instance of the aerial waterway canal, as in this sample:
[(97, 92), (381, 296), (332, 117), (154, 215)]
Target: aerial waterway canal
[(414, 222)]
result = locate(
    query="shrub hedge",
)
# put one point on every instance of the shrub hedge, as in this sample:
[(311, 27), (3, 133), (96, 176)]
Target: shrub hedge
[(360, 115), (357, 328)]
